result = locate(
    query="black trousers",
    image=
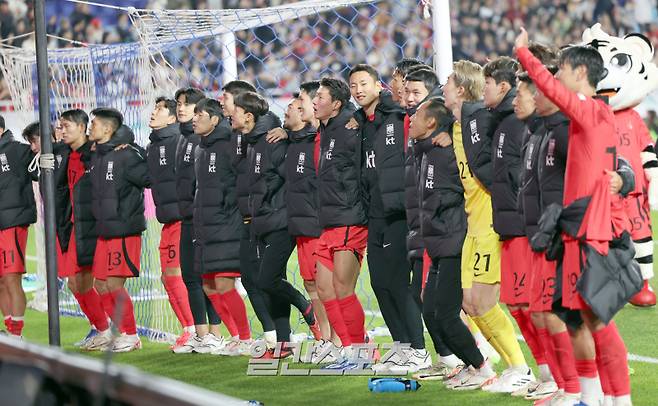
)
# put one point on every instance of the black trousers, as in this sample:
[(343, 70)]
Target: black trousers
[(390, 280), (199, 303), (442, 303)]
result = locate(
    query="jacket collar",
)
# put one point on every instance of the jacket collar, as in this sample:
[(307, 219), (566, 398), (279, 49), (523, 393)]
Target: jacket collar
[(264, 124), (6, 138), (305, 134), (555, 120), (160, 134), (123, 135), (186, 129), (221, 132)]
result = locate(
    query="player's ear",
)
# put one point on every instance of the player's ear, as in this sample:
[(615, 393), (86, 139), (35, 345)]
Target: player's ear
[(214, 120)]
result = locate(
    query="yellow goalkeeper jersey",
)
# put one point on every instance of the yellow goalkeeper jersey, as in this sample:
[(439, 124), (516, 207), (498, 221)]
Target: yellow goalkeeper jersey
[(479, 211)]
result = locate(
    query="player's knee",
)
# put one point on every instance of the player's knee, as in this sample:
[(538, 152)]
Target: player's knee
[(71, 283), (310, 286), (538, 319)]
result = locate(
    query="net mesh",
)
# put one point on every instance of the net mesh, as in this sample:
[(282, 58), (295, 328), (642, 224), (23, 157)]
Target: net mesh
[(275, 48)]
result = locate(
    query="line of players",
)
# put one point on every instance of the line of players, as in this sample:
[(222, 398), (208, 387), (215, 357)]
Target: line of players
[(442, 186)]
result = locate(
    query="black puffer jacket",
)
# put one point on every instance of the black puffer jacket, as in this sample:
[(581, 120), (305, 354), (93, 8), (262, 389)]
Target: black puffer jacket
[(383, 145), (161, 158), (185, 178), (442, 215), (118, 180), (478, 125), (267, 178), (507, 144), (340, 189), (63, 225), (302, 184), (413, 155), (217, 220), (553, 159), (17, 206), (83, 216), (528, 202)]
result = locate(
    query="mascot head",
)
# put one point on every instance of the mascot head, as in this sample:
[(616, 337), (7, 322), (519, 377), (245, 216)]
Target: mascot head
[(632, 75)]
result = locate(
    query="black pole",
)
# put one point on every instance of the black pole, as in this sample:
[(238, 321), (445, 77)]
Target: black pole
[(47, 180)]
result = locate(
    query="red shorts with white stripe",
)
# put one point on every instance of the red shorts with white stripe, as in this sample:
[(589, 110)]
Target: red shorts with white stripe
[(515, 263), (117, 257)]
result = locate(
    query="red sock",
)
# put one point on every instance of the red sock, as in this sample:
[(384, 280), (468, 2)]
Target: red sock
[(238, 312), (126, 319), (8, 323), (180, 303), (91, 305), (17, 326), (354, 318), (337, 322), (606, 387), (612, 359), (222, 309), (566, 361), (530, 335), (108, 304), (549, 351)]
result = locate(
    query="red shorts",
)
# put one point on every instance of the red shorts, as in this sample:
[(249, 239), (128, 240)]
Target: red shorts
[(306, 247), (570, 273), (346, 238), (170, 246), (67, 262), (12, 250), (515, 261), (542, 283), (117, 257), (637, 209)]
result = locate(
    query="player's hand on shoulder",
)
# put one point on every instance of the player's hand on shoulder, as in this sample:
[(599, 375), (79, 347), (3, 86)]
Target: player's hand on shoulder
[(275, 135), (352, 124), (442, 139)]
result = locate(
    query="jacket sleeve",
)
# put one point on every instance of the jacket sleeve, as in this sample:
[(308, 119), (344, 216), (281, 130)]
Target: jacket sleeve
[(517, 132), (276, 177), (478, 154), (137, 171), (579, 108)]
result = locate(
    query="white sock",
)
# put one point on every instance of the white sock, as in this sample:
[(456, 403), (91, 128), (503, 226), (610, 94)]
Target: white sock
[(235, 338), (590, 389), (17, 318), (622, 400), (190, 329), (451, 360), (544, 373), (479, 338), (270, 338), (486, 369)]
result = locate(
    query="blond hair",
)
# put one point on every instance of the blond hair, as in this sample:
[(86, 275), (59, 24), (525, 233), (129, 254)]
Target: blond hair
[(469, 75)]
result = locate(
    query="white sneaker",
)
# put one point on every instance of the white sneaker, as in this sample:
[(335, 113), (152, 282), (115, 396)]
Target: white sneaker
[(541, 391), (476, 380), (457, 379), (127, 343), (236, 348), (210, 344), (565, 399), (193, 342), (416, 360), (511, 380), (434, 373), (325, 352), (383, 367), (99, 342)]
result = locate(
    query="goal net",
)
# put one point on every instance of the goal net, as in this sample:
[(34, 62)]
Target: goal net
[(275, 48)]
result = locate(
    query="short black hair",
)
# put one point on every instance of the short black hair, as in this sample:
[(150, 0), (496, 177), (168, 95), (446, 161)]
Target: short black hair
[(524, 77), (192, 95), (210, 106), (77, 116), (31, 131), (546, 54), (109, 114), (252, 102), (427, 76), (338, 90), (403, 66), (437, 109), (502, 69), (235, 87), (310, 88), (169, 104), (587, 56), (362, 67), (2, 122)]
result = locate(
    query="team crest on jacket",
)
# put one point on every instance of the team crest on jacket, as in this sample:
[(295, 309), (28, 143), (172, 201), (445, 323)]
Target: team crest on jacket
[(528, 162), (163, 155), (238, 149), (550, 155), (501, 142), (188, 152), (109, 175), (4, 164), (58, 158), (390, 134), (475, 137), (257, 166), (212, 168), (429, 181), (370, 159), (327, 155), (300, 162)]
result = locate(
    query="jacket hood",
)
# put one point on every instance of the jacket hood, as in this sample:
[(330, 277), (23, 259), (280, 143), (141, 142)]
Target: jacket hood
[(7, 136), (343, 116), (468, 108), (305, 134), (160, 134), (186, 129), (222, 131), (533, 122), (555, 119), (123, 135), (264, 124), (505, 106)]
